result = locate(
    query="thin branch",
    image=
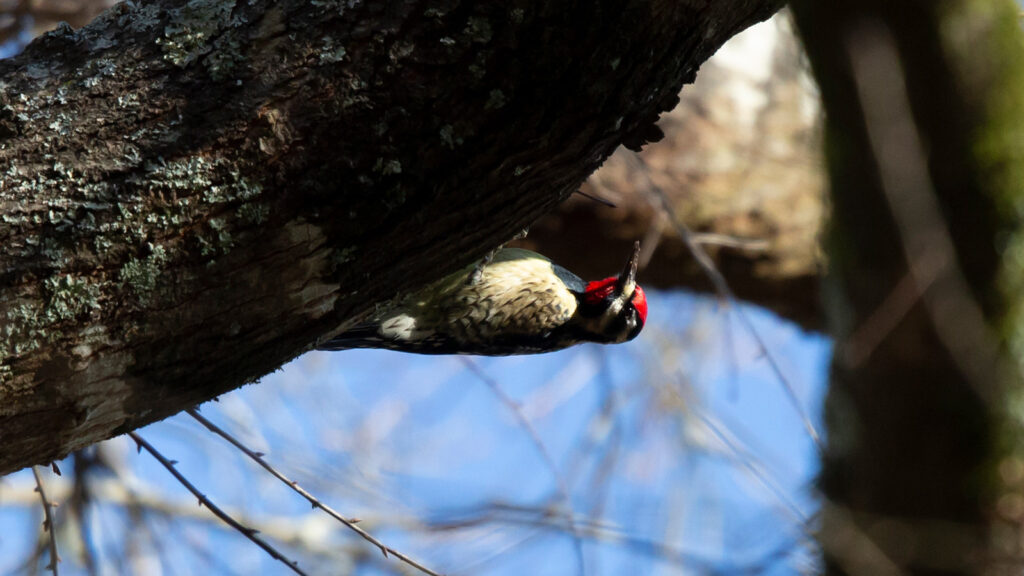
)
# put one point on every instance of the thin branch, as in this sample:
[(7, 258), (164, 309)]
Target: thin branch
[(141, 502), (249, 533), (727, 241), (927, 243), (750, 463), (726, 293), (741, 454), (538, 442), (854, 551), (597, 199), (313, 500), (48, 524), (496, 551), (869, 335), (606, 533)]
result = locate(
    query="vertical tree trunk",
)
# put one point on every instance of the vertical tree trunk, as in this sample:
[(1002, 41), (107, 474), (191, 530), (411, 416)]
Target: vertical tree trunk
[(924, 125)]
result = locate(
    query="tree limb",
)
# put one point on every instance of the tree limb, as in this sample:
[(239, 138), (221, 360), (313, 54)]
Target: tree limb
[(194, 193)]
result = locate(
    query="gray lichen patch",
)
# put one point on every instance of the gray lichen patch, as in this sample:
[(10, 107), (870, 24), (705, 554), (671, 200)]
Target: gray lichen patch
[(69, 297), (135, 15), (218, 241), (253, 213), (220, 181), (140, 276), (495, 100), (338, 6), (28, 323), (191, 32), (128, 232), (225, 58), (343, 256), (478, 29), (100, 220), (236, 188), (22, 328), (449, 138), (330, 52), (388, 167), (401, 50)]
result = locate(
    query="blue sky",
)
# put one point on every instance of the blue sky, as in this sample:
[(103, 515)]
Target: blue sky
[(680, 452)]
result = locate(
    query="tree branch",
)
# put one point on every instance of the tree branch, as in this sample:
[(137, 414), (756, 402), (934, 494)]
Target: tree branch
[(195, 193)]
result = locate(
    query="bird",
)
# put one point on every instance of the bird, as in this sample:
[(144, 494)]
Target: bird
[(515, 302)]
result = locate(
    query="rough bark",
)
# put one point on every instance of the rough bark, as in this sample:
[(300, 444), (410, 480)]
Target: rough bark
[(194, 193), (924, 125), (741, 160)]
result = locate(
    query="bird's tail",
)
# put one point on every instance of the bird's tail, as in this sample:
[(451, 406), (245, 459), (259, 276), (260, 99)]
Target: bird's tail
[(362, 336)]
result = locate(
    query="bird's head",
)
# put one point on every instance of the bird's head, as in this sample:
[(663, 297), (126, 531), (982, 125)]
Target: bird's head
[(616, 306)]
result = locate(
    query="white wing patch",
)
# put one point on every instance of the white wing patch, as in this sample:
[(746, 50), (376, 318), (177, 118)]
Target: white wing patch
[(399, 327)]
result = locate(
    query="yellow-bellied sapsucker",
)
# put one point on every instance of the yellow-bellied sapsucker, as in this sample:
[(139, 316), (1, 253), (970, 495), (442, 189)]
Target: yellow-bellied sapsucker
[(517, 303)]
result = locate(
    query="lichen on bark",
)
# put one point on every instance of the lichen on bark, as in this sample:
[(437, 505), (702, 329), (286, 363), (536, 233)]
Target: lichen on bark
[(194, 192)]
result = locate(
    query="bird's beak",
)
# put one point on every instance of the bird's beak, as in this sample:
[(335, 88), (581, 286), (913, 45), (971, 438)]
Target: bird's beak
[(626, 285)]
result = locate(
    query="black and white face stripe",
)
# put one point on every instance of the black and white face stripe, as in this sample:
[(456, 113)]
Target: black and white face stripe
[(626, 325), (611, 320)]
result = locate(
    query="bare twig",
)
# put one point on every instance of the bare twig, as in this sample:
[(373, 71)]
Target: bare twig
[(863, 341), (597, 199), (851, 548), (48, 525), (725, 293), (611, 534), (249, 533), (752, 466), (313, 500), (538, 442), (495, 552), (727, 241), (143, 502)]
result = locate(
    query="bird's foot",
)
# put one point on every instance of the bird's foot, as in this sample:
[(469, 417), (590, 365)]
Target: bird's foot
[(478, 270)]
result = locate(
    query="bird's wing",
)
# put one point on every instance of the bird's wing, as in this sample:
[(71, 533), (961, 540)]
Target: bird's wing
[(514, 297), (525, 298)]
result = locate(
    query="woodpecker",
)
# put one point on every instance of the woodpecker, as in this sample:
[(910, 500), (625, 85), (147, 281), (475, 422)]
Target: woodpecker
[(517, 302)]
